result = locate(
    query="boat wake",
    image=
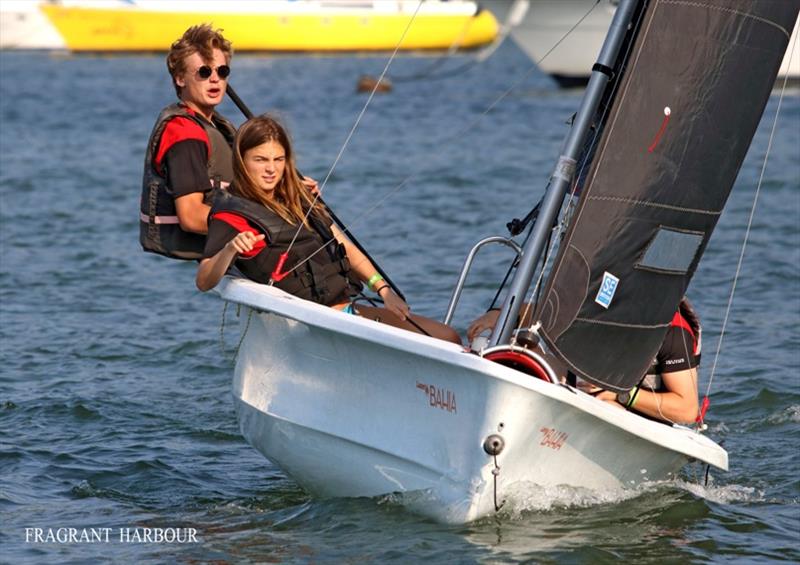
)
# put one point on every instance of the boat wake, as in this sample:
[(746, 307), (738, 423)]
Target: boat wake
[(529, 497), (532, 497), (722, 494), (791, 414)]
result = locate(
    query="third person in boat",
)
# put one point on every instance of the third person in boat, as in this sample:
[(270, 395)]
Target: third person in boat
[(669, 390), (267, 212)]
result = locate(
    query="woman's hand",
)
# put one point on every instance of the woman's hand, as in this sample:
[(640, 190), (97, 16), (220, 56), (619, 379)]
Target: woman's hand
[(212, 269), (394, 303), (486, 322), (311, 185), (244, 242)]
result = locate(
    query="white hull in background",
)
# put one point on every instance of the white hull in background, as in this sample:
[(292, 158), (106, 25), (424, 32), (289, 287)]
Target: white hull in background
[(349, 407), (24, 26), (546, 22)]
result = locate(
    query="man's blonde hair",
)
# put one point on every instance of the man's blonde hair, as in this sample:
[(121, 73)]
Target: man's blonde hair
[(202, 39)]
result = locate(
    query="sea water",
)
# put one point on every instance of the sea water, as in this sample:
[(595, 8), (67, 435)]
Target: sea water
[(116, 416)]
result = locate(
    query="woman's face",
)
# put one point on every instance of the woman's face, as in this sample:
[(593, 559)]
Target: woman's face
[(265, 164)]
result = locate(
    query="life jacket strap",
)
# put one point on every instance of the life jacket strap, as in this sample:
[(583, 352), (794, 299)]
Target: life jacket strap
[(158, 219)]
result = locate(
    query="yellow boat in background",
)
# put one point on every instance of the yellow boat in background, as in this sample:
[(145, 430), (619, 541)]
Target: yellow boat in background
[(276, 25)]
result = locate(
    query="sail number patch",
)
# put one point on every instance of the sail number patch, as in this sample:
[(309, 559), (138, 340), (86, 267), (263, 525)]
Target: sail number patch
[(607, 289)]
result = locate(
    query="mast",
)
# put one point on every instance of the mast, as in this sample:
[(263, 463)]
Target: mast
[(564, 172)]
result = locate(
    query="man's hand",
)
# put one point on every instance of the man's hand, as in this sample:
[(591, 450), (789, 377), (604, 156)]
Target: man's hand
[(486, 322)]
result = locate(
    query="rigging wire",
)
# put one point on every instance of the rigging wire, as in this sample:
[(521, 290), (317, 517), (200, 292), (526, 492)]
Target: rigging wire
[(749, 225), (454, 47), (455, 137), (350, 135), (513, 18)]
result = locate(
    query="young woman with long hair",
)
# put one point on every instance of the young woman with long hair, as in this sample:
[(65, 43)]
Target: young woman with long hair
[(268, 212)]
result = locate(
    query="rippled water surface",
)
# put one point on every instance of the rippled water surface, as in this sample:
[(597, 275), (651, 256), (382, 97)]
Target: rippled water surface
[(115, 404)]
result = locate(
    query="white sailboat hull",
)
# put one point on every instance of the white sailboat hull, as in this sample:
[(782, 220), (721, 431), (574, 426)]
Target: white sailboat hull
[(548, 23), (348, 407)]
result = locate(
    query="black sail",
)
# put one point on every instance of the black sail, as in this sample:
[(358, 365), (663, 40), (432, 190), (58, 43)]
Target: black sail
[(698, 78)]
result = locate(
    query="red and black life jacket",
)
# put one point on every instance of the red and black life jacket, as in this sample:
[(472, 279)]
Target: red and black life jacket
[(159, 229), (325, 278), (678, 321)]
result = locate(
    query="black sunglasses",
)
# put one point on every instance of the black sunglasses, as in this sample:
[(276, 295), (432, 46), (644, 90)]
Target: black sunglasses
[(205, 71)]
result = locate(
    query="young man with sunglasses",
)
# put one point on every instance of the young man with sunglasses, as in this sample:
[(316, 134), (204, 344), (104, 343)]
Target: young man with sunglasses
[(189, 151)]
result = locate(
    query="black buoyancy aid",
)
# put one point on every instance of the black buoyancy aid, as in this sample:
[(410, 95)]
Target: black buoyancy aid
[(159, 229), (325, 278)]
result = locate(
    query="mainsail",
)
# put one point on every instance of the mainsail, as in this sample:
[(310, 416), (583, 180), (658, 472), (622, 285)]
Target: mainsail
[(698, 77)]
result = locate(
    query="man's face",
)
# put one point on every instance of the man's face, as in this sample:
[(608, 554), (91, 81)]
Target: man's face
[(202, 94)]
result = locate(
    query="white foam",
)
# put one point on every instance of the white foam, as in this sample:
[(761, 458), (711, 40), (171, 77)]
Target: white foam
[(722, 494), (526, 497), (718, 428), (790, 414)]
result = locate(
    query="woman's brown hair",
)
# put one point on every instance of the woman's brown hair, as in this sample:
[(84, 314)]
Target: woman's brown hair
[(290, 199), (202, 39)]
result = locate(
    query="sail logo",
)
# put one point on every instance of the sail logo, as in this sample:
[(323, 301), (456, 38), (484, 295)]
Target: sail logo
[(607, 289), (439, 397)]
